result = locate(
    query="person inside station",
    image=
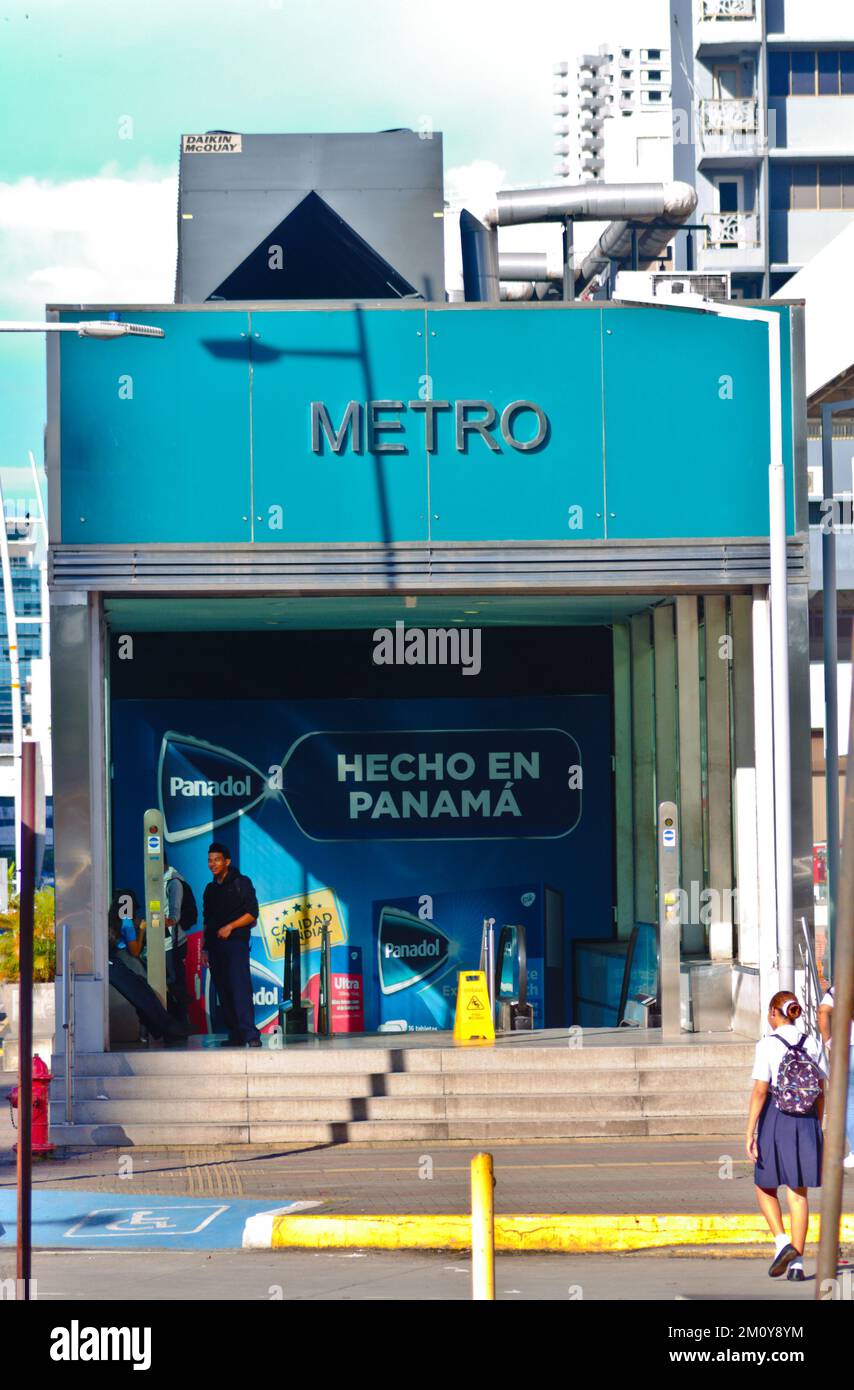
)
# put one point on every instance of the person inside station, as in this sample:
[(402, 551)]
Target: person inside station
[(229, 912), (125, 943), (181, 916)]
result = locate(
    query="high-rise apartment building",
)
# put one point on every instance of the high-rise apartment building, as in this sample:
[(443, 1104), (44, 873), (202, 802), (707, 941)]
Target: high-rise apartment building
[(614, 115), (763, 119)]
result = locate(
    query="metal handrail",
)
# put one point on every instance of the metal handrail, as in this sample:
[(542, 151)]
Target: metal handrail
[(68, 1021), (812, 988)]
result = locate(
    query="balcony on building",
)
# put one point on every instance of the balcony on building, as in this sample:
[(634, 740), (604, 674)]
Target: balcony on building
[(722, 24), (730, 127), (732, 242)]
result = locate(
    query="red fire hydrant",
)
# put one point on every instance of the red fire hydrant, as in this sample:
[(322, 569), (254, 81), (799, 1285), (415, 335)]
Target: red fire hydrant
[(41, 1094)]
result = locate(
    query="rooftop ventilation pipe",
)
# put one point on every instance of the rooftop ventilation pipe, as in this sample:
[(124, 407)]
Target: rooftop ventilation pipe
[(480, 259), (662, 207)]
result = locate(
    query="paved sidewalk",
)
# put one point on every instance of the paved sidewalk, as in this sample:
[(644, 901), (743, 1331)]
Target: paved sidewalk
[(296, 1276)]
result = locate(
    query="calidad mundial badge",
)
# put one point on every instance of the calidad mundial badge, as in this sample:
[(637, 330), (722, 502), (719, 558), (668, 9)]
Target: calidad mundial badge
[(409, 949), (203, 786)]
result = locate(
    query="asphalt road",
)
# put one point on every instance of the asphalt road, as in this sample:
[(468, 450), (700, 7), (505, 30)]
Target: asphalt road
[(579, 1176)]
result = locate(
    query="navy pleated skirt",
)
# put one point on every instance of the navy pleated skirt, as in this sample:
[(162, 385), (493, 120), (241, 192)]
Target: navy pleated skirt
[(790, 1149)]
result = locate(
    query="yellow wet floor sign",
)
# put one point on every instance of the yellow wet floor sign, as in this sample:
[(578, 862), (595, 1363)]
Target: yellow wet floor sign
[(473, 1020)]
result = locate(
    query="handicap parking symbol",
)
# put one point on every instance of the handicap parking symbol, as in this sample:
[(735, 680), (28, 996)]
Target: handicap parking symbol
[(121, 1222)]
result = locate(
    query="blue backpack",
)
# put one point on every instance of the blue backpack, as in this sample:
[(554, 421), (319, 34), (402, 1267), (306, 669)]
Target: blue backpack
[(799, 1080)]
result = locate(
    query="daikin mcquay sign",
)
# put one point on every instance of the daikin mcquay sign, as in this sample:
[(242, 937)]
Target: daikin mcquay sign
[(363, 424)]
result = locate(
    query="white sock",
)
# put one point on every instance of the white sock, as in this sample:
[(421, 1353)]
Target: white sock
[(780, 1242), (797, 1264)]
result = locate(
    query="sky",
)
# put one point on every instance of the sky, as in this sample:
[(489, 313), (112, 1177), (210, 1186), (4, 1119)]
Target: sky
[(95, 94)]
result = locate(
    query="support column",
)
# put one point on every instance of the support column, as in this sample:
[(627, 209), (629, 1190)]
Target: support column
[(623, 789), (769, 975), (744, 783), (79, 800), (718, 778), (690, 796), (666, 716), (803, 906), (643, 768)]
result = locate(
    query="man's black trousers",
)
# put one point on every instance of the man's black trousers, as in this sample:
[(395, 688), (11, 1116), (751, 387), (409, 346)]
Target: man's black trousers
[(229, 964)]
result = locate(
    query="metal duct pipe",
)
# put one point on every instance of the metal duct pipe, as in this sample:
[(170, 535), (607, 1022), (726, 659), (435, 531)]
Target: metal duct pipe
[(519, 289), (529, 265), (662, 206), (594, 202), (480, 259), (615, 244)]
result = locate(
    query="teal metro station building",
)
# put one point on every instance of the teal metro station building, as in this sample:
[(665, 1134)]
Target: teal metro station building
[(567, 505)]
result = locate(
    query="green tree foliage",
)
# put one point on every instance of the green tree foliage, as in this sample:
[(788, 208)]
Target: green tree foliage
[(44, 939)]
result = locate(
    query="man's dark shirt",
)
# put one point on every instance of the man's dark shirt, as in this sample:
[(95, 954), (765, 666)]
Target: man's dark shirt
[(225, 902)]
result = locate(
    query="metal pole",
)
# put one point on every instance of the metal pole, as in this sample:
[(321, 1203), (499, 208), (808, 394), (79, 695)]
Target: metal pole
[(482, 1228), (324, 1021), (44, 605), (634, 248), (831, 714), (568, 259), (26, 909), (15, 679), (843, 1012)]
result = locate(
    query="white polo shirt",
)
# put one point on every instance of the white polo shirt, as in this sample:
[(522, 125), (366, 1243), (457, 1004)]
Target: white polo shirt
[(770, 1052), (828, 1000)]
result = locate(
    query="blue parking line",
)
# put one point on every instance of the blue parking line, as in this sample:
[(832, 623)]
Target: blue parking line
[(71, 1220)]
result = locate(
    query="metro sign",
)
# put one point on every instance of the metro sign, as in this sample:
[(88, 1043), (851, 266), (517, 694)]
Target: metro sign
[(364, 422)]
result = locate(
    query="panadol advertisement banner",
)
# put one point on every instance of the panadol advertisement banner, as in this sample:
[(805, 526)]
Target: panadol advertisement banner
[(397, 824)]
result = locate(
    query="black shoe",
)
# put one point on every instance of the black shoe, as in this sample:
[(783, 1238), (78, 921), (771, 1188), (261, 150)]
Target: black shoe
[(781, 1262), (254, 1042), (796, 1274)]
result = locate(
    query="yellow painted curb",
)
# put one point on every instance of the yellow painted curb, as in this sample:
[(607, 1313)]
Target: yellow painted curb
[(571, 1234)]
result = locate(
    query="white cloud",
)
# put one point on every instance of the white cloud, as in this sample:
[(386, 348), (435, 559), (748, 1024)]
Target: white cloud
[(106, 239)]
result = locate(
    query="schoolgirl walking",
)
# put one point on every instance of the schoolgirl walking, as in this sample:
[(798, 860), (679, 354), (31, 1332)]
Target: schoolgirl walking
[(784, 1128)]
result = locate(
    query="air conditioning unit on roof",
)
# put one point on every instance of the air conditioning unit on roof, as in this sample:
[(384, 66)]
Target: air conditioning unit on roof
[(671, 286)]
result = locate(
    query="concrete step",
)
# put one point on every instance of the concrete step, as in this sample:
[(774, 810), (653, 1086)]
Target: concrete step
[(301, 1059), (417, 1109), (377, 1131), (233, 1085)]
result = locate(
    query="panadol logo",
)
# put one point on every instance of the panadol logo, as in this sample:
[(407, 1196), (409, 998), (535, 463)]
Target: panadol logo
[(409, 949), (203, 786), (405, 951), (229, 786)]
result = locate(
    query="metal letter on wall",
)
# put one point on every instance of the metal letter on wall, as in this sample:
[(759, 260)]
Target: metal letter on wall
[(155, 907), (669, 918)]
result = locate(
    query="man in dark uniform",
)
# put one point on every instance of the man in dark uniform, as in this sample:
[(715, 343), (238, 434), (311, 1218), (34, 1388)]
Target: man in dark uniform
[(229, 912)]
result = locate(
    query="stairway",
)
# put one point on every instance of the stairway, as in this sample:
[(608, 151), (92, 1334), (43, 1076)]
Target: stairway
[(390, 1094)]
